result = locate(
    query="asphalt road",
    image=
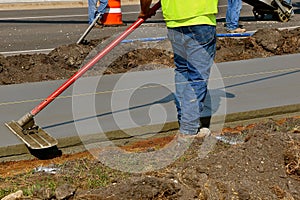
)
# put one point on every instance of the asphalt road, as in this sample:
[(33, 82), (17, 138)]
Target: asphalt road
[(41, 30)]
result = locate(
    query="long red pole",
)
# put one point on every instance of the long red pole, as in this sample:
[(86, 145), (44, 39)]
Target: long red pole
[(90, 64)]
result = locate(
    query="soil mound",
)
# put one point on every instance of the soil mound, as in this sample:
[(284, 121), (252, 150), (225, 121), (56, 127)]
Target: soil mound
[(64, 61)]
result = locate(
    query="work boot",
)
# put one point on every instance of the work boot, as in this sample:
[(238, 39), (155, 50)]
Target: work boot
[(237, 30), (98, 25), (203, 132)]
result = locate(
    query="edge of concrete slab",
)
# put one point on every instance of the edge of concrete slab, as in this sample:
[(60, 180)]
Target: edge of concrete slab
[(52, 4), (74, 144), (267, 112)]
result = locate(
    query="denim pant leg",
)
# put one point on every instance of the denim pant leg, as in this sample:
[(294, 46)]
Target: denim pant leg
[(102, 6), (233, 14), (194, 51), (93, 11), (181, 78)]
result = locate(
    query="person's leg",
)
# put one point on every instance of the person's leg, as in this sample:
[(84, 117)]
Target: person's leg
[(102, 6), (200, 50), (194, 50), (92, 9), (176, 37), (229, 12), (238, 12), (233, 14)]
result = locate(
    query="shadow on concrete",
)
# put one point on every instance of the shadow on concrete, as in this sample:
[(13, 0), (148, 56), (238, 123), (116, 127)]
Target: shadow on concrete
[(211, 105), (262, 79), (166, 99)]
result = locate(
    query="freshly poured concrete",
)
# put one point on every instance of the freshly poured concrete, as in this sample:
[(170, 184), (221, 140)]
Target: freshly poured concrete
[(108, 103)]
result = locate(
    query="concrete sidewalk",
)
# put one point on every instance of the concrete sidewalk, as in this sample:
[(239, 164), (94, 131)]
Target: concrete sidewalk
[(240, 90)]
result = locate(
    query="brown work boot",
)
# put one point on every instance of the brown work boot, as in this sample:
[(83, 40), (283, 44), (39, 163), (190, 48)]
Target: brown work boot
[(237, 30), (98, 25)]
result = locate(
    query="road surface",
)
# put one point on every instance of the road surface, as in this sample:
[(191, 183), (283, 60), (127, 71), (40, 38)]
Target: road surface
[(41, 30)]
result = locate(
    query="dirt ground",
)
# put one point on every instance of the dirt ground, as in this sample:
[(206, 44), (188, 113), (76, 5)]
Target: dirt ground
[(64, 61), (266, 165)]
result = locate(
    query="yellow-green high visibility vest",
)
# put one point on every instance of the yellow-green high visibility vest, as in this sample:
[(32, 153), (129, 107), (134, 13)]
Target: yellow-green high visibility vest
[(189, 12)]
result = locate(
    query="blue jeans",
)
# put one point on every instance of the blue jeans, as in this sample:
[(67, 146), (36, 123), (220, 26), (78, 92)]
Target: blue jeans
[(93, 11), (233, 14), (194, 50)]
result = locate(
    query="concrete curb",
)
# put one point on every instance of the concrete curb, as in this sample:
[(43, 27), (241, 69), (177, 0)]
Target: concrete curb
[(50, 4), (74, 144)]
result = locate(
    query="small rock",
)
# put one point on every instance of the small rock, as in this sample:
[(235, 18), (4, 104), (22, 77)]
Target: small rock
[(260, 169), (150, 149), (295, 130), (71, 61), (219, 166), (64, 192), (27, 67), (1, 68), (43, 193), (244, 194), (90, 195), (13, 196)]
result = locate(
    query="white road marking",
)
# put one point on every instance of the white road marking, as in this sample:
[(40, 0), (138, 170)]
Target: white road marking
[(43, 17), (26, 52), (59, 16)]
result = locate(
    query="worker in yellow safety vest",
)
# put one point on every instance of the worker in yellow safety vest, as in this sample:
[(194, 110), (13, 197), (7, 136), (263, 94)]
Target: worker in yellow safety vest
[(192, 31)]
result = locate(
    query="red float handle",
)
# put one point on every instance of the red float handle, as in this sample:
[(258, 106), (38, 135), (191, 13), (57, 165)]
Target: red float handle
[(91, 63)]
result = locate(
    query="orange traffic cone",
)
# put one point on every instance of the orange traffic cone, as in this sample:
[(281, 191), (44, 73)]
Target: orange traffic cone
[(113, 14)]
